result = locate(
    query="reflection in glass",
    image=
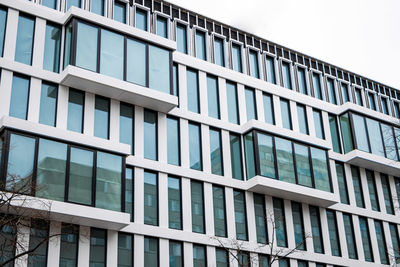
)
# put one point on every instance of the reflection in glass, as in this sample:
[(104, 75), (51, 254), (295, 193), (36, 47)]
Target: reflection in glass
[(213, 97), (125, 250), (219, 211), (120, 11), (193, 91), (268, 109), (270, 69), (284, 155), (25, 38), (181, 38), (253, 64), (136, 63), (201, 45), (112, 54), (240, 215), (150, 135), (101, 117), (286, 75), (86, 47), (237, 57), (219, 52), (151, 252), (159, 69), (80, 176), (266, 155), (236, 156), (173, 141), (303, 165), (320, 169), (52, 46), (216, 152), (232, 100), (48, 104), (76, 103), (150, 198), (195, 147), (316, 79), (141, 19), (98, 247), (197, 202), (174, 203), (19, 97), (250, 104), (162, 26), (301, 77)]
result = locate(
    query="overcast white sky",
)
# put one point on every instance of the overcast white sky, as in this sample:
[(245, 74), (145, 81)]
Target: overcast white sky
[(362, 36)]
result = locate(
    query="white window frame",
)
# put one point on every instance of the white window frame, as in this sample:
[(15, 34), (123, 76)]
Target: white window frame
[(367, 93), (274, 59), (145, 9), (363, 100), (297, 66), (206, 40), (185, 24), (157, 14), (241, 45), (322, 83), (292, 83), (126, 11), (258, 51), (223, 38), (335, 88), (382, 97), (348, 90)]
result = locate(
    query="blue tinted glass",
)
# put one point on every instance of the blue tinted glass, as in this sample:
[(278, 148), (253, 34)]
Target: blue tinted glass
[(331, 91), (201, 45), (366, 239), (97, 6), (195, 147), (76, 103), (102, 117), (150, 252), (320, 169), (219, 52), (237, 57), (350, 239), (175, 87), (284, 156), (51, 59), (136, 69), (384, 106), (150, 135), (69, 245), (219, 211), (3, 20), (302, 117), (333, 233), (68, 40), (150, 198), (126, 124), (71, 3), (197, 202), (50, 3), (175, 254), (159, 69), (345, 92), (25, 35), (298, 226), (375, 137), (162, 27), (387, 195), (98, 243), (301, 76), (270, 69), (253, 60), (280, 223), (236, 157), (193, 91), (266, 155), (303, 165), (86, 47), (19, 97), (120, 11), (319, 127), (48, 104), (260, 218), (361, 133), (112, 54), (316, 78), (394, 234), (250, 104), (231, 93), (286, 75), (141, 19), (286, 115), (316, 230), (268, 109), (173, 142), (216, 152), (181, 38), (80, 176), (174, 203), (240, 215), (213, 97), (333, 126)]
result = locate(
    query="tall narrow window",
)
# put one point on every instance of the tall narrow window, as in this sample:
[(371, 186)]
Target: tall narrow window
[(173, 141), (387, 195), (345, 92), (366, 239), (384, 103), (331, 90), (249, 155), (219, 51), (196, 161), (316, 81), (102, 117), (174, 203), (253, 64), (286, 75), (268, 109), (333, 233), (71, 3), (358, 192), (97, 7), (346, 133), (151, 253), (76, 103), (371, 100), (193, 91), (270, 69), (303, 168), (19, 97), (375, 137), (136, 69), (232, 99), (125, 250), (380, 237), (52, 46), (389, 140), (316, 230), (333, 126), (50, 3), (141, 19), (302, 117), (39, 233), (3, 23), (280, 222), (120, 11), (98, 247), (213, 97), (266, 155), (197, 200), (129, 191), (319, 126), (222, 258), (48, 104), (201, 51), (150, 135), (350, 239), (373, 192), (237, 57), (112, 54), (361, 133), (260, 218), (240, 215), (359, 99), (69, 245), (343, 191), (25, 37), (86, 46), (298, 226), (301, 78), (219, 211), (126, 122), (216, 152), (175, 254), (236, 156), (394, 234), (81, 176), (199, 256), (263, 260), (286, 115), (162, 26), (320, 169), (175, 80), (251, 109), (159, 66), (284, 158), (150, 198), (181, 38)]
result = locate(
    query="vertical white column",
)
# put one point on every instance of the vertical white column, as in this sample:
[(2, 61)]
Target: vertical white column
[(307, 227), (11, 34), (209, 208), (84, 246), (393, 192), (187, 254), (326, 127), (226, 158), (203, 93), (164, 251), (184, 138), (325, 231), (310, 120), (53, 249), (34, 100), (260, 105), (23, 241), (163, 201), (205, 148), (112, 248), (269, 213), (365, 191), (211, 256), (88, 122), (39, 41), (233, 259), (186, 205), (230, 213), (162, 138), (342, 235), (251, 219), (289, 223), (294, 118), (293, 263), (182, 87), (277, 110), (5, 92), (62, 107), (241, 104), (254, 260), (223, 105), (357, 235), (381, 198), (114, 120), (139, 132), (138, 254), (139, 196)]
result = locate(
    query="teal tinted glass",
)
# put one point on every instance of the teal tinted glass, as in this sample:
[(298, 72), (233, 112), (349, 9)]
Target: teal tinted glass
[(270, 69), (98, 247), (232, 99), (286, 75), (216, 152), (268, 109), (141, 19), (68, 41), (196, 162), (3, 24), (159, 69), (260, 218), (181, 38), (249, 155), (316, 230), (193, 91), (286, 115), (253, 64), (387, 195), (126, 117), (175, 254), (76, 103), (219, 211), (380, 236), (71, 3), (52, 46), (373, 192), (318, 123), (199, 256), (375, 137), (69, 245), (97, 7), (389, 141), (175, 80), (201, 45), (263, 260), (333, 233), (384, 104), (151, 253), (197, 202), (112, 54), (346, 133), (50, 3), (284, 263), (120, 11), (125, 250), (366, 239), (350, 239), (174, 203), (162, 26), (280, 222), (221, 257), (361, 133), (80, 176), (101, 117), (251, 110), (150, 198), (331, 91), (316, 81), (301, 77), (394, 234), (236, 156), (25, 36), (358, 192), (150, 135), (358, 94), (173, 142), (38, 242), (320, 169), (213, 97), (345, 92), (237, 57), (333, 126), (298, 226), (136, 69), (303, 167), (240, 215), (219, 52), (19, 97), (371, 101), (266, 155), (340, 174), (86, 47), (302, 117), (129, 192), (285, 163)]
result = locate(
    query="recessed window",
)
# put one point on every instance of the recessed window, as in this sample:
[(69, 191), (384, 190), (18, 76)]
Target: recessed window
[(302, 155), (280, 222), (251, 110), (316, 81), (240, 215), (318, 123), (260, 218), (358, 94), (394, 234), (286, 75), (25, 38), (174, 203), (50, 3), (102, 117), (270, 69), (385, 107), (213, 97), (302, 117), (86, 47), (219, 51), (372, 190), (197, 202), (201, 47), (285, 161), (347, 135), (333, 126), (38, 242), (345, 92), (302, 81), (135, 69), (112, 54), (196, 162), (175, 254), (69, 245), (331, 91), (150, 135), (125, 250), (48, 104), (387, 195), (19, 97), (366, 239), (371, 100), (181, 38), (151, 252), (222, 257), (129, 192), (236, 156), (162, 26), (150, 198), (232, 99), (52, 46), (219, 211), (253, 64), (97, 7), (380, 237), (193, 91), (98, 247), (76, 102), (342, 183), (350, 238), (286, 114), (141, 19), (333, 233), (216, 152), (120, 11), (237, 57), (175, 80), (3, 24), (268, 109), (357, 185), (173, 141), (298, 226), (396, 106), (199, 256), (316, 229)]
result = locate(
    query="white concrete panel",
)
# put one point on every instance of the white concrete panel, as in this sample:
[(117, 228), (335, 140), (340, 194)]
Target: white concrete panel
[(53, 249), (62, 107), (34, 100), (5, 92), (186, 205), (162, 138), (241, 103), (139, 196), (84, 246), (209, 209), (187, 254), (23, 241), (295, 119), (138, 255), (114, 120), (223, 105), (203, 93), (226, 151), (39, 42), (251, 220), (112, 248), (230, 213), (139, 132), (163, 199), (164, 251), (11, 34), (88, 121), (260, 105), (205, 148), (184, 135), (182, 84)]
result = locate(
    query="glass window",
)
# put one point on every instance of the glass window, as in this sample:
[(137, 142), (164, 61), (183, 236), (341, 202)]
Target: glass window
[(68, 42), (193, 91), (266, 155), (222, 258), (51, 170), (175, 80), (69, 245), (279, 222), (175, 254), (284, 263), (3, 23), (384, 103), (159, 69), (48, 104), (150, 135), (251, 110), (162, 26), (97, 7), (268, 109), (150, 198), (52, 46), (173, 141), (219, 211), (373, 193), (50, 3), (71, 3), (303, 168), (286, 75), (240, 215), (108, 181), (319, 126), (346, 133), (331, 91), (260, 218), (98, 247), (361, 133), (389, 141), (232, 99), (129, 191), (316, 230), (316, 81), (263, 260), (333, 233), (249, 155), (125, 250), (394, 234), (102, 117), (197, 200), (136, 69), (201, 51), (358, 94), (371, 100), (366, 239), (334, 133), (302, 117), (120, 11), (126, 121), (19, 97), (286, 115), (345, 92), (199, 256), (216, 152), (270, 69), (305, 264), (243, 259), (141, 19), (387, 195), (397, 186), (350, 239), (320, 169), (86, 47), (181, 38), (253, 64), (236, 156), (20, 163), (196, 161), (213, 97), (174, 203), (38, 242), (301, 77), (380, 237), (298, 226), (237, 57), (219, 51), (80, 176), (7, 236), (25, 38), (396, 105), (375, 137), (151, 252), (355, 173), (76, 103), (340, 174), (284, 155), (112, 54)]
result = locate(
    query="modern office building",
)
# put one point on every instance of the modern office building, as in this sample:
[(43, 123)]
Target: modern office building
[(158, 134)]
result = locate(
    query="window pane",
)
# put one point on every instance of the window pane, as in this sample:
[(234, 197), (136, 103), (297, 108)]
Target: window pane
[(125, 250), (108, 181), (219, 211), (51, 169), (331, 91), (150, 198), (19, 97), (316, 79), (380, 236), (375, 137), (303, 167), (266, 155), (280, 222), (260, 218), (48, 104), (3, 23), (270, 69), (50, 3), (361, 133), (355, 173), (150, 135), (174, 203), (151, 252), (387, 195), (199, 256), (389, 141), (25, 36), (68, 40), (112, 54), (340, 174), (298, 226), (319, 126), (286, 115), (193, 91), (175, 254), (320, 169), (384, 103), (221, 257), (38, 242), (394, 234), (286, 75), (98, 247), (284, 155), (126, 117), (302, 117), (159, 69), (284, 263), (231, 91), (52, 46), (173, 141), (236, 156), (181, 38), (102, 117), (213, 97), (201, 45), (76, 103), (263, 260), (80, 176), (334, 134), (366, 239), (316, 230), (253, 64), (216, 152), (345, 92), (333, 233), (346, 133), (196, 162), (136, 69), (237, 57), (250, 104), (373, 193), (129, 191), (175, 80), (86, 47), (197, 207), (71, 3), (350, 239), (120, 11), (240, 215), (249, 155), (69, 245), (268, 109), (358, 94), (162, 26), (219, 52), (301, 76), (371, 100), (7, 236), (141, 19), (97, 7)]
